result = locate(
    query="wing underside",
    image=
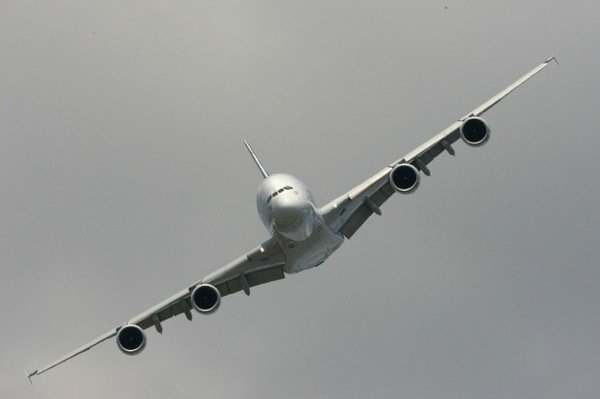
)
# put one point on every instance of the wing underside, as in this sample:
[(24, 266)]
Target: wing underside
[(259, 266), (347, 213)]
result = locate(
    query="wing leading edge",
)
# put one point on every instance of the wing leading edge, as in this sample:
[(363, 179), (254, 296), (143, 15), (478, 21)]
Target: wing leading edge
[(347, 213), (259, 266)]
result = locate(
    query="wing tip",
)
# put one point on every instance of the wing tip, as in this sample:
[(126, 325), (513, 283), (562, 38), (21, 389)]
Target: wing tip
[(30, 375), (550, 59)]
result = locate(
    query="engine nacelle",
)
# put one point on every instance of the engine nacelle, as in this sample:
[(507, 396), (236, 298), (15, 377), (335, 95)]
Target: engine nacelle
[(404, 178), (131, 339), (206, 298), (475, 131)]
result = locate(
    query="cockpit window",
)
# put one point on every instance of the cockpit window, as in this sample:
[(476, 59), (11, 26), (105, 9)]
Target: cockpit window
[(276, 193)]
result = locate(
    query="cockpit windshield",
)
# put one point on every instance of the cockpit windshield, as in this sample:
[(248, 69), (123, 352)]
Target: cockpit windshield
[(276, 193)]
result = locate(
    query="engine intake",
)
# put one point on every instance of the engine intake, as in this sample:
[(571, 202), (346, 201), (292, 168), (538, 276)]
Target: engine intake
[(131, 339), (404, 178), (475, 131), (206, 298)]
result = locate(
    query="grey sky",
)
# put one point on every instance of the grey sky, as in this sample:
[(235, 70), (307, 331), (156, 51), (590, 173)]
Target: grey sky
[(124, 178)]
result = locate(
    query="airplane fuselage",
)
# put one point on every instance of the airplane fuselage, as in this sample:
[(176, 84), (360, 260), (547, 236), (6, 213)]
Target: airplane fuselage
[(287, 209)]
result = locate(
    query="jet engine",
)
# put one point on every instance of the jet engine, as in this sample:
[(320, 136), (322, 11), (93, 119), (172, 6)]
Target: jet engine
[(404, 178), (206, 298), (131, 339), (475, 131)]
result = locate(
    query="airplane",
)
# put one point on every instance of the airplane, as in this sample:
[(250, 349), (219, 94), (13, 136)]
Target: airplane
[(302, 235)]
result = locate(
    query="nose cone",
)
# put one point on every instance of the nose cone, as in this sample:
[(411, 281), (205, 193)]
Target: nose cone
[(293, 217)]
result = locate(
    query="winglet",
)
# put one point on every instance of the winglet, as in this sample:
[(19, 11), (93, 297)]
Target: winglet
[(552, 58), (31, 375), (260, 167)]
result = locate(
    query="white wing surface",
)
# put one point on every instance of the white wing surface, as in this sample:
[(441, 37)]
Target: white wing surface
[(261, 265), (348, 212)]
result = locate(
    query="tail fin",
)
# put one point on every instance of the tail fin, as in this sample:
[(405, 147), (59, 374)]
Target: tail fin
[(260, 167)]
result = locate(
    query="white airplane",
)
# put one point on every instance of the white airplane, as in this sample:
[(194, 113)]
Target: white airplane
[(303, 235)]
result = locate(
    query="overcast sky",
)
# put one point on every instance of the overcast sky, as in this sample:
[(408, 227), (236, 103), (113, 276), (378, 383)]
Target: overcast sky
[(124, 179)]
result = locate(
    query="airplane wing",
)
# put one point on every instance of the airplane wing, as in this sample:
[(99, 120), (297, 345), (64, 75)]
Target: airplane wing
[(347, 213), (261, 265)]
